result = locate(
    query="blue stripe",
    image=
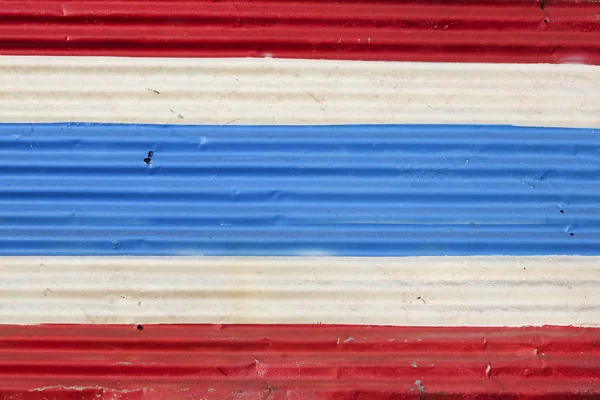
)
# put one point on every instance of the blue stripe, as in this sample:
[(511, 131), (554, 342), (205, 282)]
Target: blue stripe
[(374, 190)]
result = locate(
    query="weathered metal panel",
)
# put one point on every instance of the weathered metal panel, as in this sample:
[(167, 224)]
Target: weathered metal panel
[(389, 190), (293, 362), (467, 31), (81, 189), (272, 92), (418, 291)]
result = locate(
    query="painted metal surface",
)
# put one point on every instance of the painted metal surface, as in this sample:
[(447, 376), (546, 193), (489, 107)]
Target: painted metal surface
[(275, 92), (274, 190), (417, 291), (80, 189), (494, 31), (294, 362)]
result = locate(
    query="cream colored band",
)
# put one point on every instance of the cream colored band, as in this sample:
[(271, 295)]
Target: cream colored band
[(421, 291), (270, 91)]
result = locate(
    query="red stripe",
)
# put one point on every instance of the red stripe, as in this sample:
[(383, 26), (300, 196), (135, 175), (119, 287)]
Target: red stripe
[(492, 31), (297, 362)]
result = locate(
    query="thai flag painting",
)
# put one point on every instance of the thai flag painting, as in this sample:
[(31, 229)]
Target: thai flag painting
[(283, 199)]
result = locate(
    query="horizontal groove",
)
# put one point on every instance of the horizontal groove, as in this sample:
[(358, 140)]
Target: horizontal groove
[(295, 219), (272, 368), (130, 302), (224, 69), (45, 195), (211, 86), (509, 31), (172, 40), (323, 388), (240, 171), (333, 233), (561, 158), (343, 102), (425, 291), (276, 91)]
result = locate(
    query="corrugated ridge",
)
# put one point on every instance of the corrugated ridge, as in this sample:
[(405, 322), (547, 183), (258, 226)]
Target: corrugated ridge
[(262, 91), (506, 31), (420, 291), (274, 190), (296, 362)]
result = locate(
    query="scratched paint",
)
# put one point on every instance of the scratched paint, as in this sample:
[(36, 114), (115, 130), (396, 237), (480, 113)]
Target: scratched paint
[(546, 31), (396, 190), (418, 291), (297, 362), (295, 92)]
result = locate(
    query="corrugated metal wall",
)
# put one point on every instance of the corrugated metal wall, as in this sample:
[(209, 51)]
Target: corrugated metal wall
[(456, 215)]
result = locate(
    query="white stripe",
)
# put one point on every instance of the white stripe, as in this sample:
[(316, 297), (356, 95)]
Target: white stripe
[(270, 91), (454, 291)]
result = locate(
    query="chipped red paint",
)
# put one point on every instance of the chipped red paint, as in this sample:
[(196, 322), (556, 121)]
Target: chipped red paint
[(467, 31), (297, 362)]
